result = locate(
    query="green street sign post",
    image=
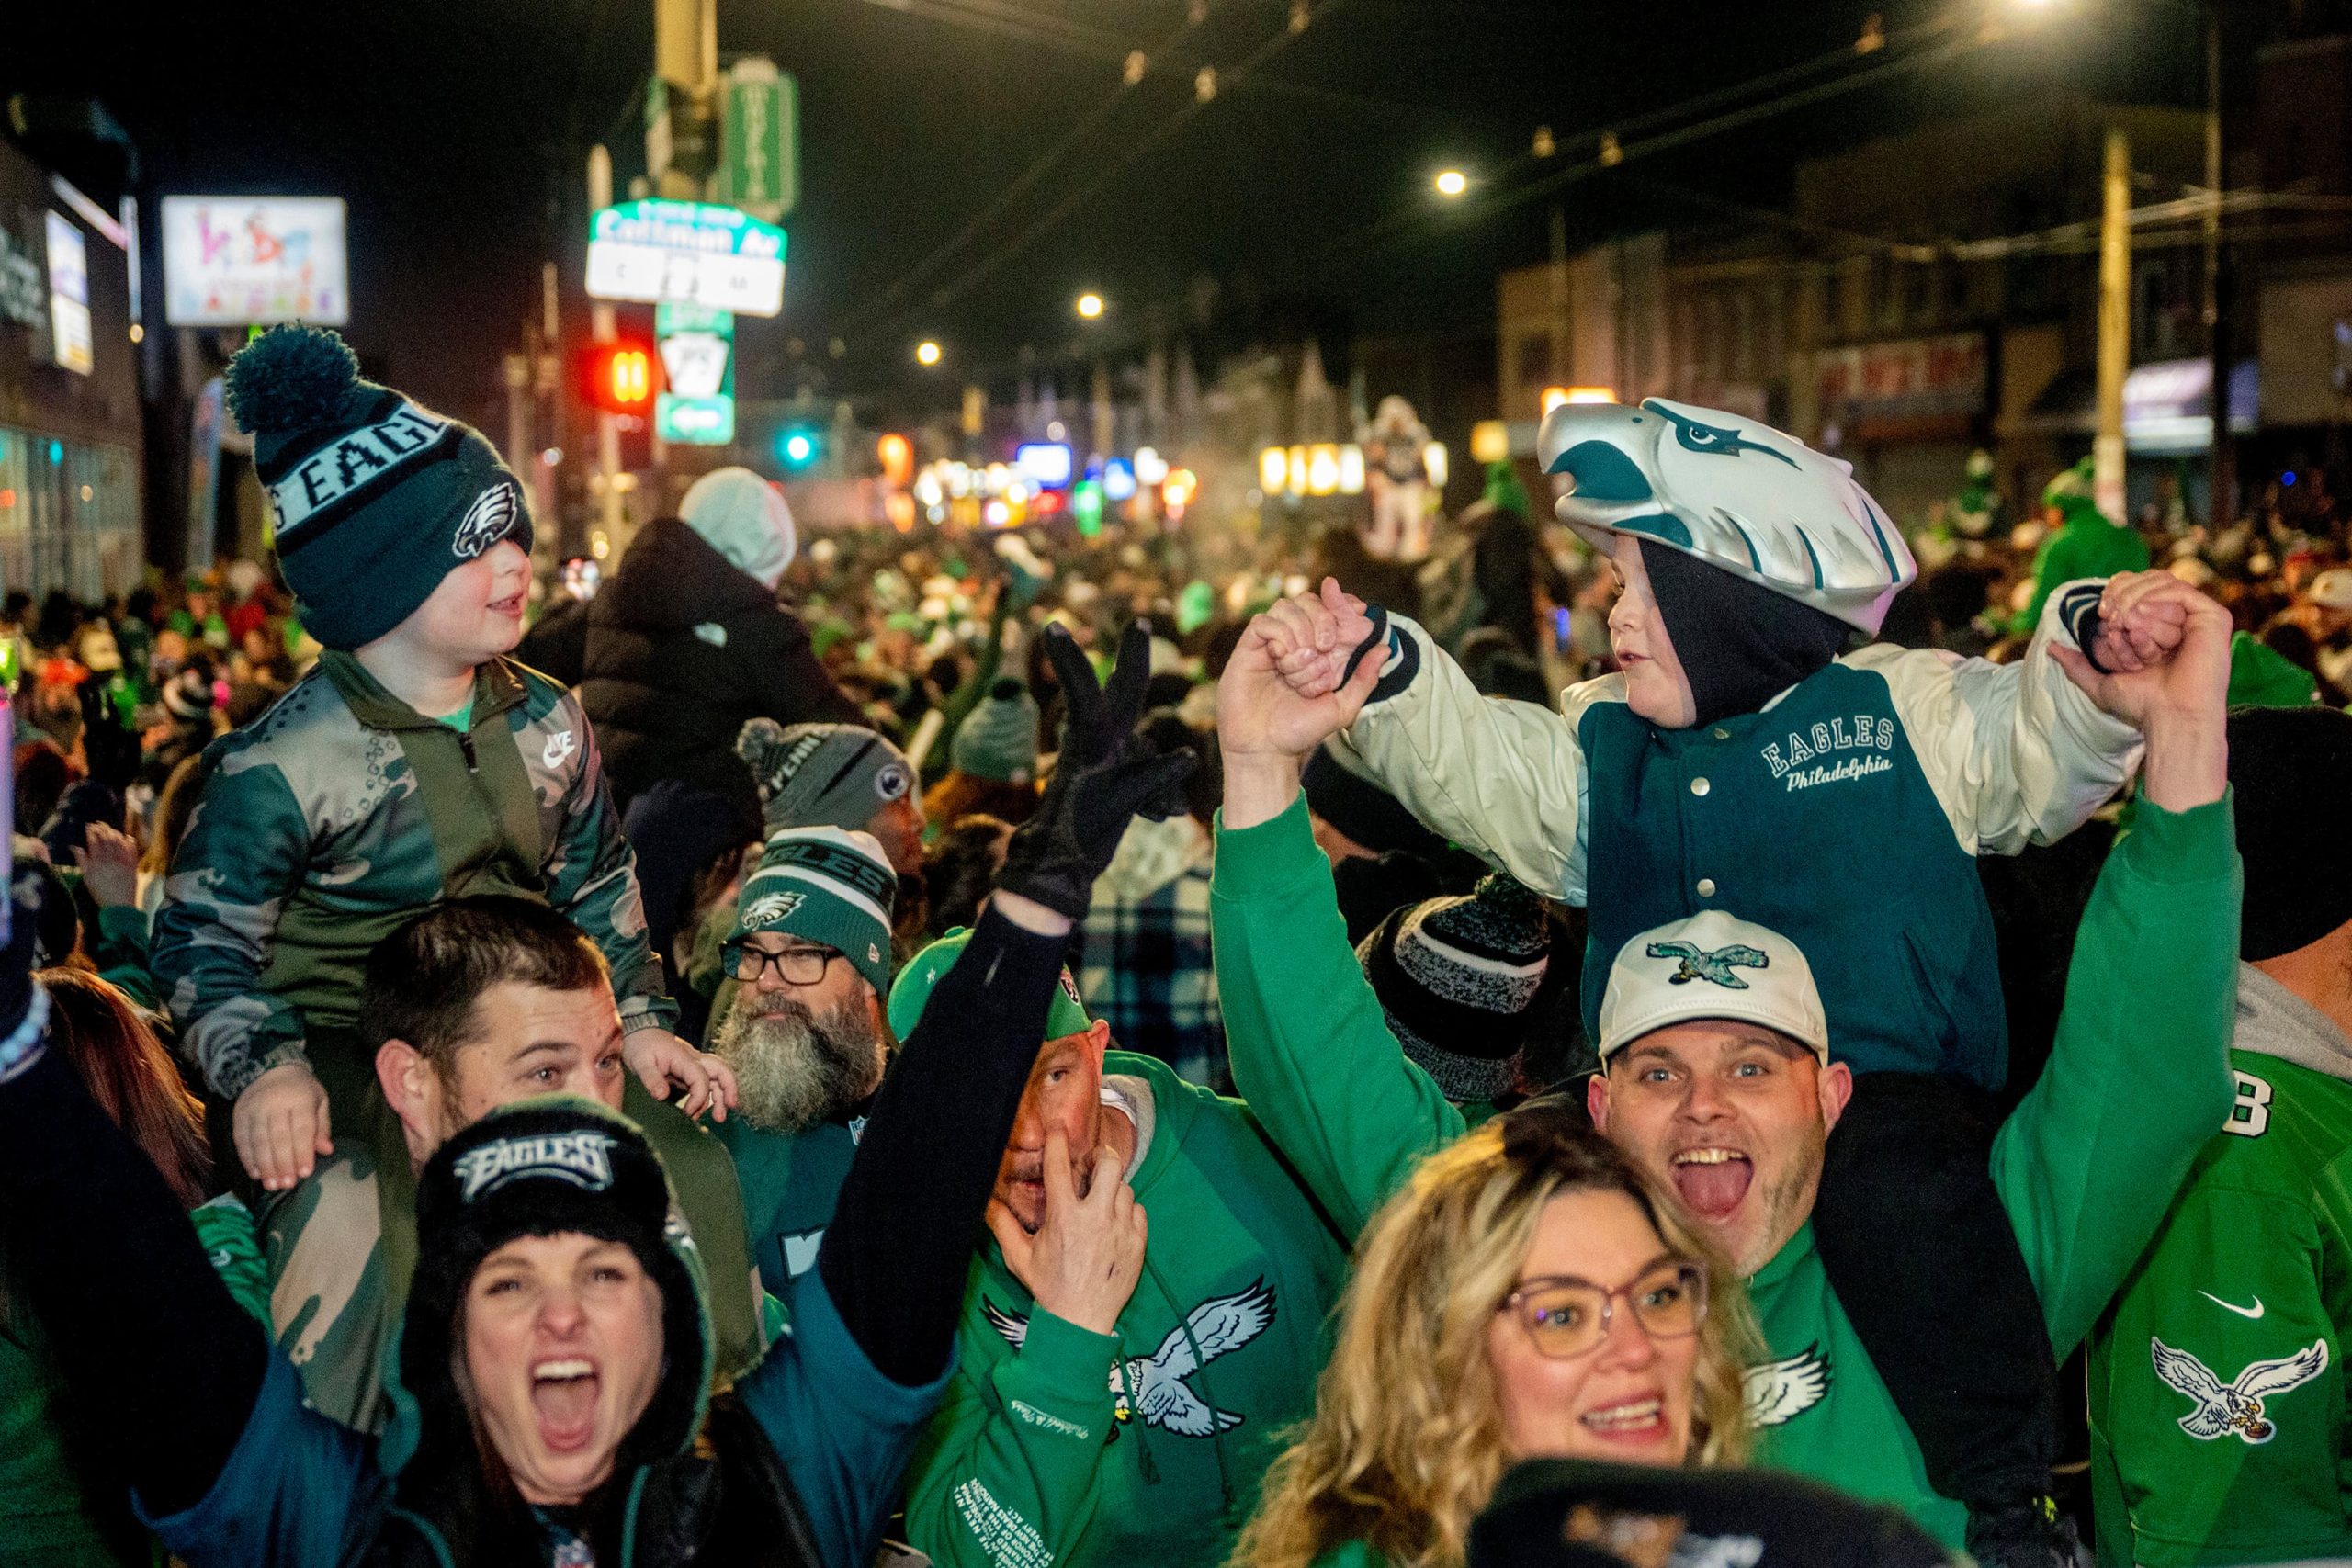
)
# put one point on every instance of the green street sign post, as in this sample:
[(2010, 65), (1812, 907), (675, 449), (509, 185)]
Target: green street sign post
[(759, 167)]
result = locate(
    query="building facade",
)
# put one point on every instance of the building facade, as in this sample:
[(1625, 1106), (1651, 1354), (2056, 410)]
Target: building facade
[(71, 481)]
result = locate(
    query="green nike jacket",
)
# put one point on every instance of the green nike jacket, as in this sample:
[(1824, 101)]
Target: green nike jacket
[(1059, 1446), (2085, 1165), (2220, 1427)]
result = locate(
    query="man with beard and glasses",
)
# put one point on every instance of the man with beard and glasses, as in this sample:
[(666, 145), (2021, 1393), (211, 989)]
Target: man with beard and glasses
[(806, 1034)]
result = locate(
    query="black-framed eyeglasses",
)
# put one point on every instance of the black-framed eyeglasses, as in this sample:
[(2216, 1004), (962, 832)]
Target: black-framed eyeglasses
[(1565, 1317), (794, 965)]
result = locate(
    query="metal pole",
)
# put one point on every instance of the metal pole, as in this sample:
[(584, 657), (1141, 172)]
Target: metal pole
[(2114, 327), (2221, 464), (602, 328)]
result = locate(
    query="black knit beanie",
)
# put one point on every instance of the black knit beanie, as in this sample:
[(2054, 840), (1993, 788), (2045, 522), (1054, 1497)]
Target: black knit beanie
[(1741, 645), (547, 1167), (1456, 978), (1560, 1512), (2290, 771)]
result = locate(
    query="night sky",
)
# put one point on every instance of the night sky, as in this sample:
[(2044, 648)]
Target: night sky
[(456, 130)]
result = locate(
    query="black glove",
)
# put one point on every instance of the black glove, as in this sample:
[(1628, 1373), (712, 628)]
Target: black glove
[(1104, 776)]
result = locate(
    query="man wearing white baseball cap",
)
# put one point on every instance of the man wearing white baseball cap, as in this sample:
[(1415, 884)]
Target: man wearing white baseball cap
[(1719, 1082)]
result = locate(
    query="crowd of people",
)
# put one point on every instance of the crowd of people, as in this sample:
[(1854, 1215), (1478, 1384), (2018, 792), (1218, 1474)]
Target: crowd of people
[(1689, 1024)]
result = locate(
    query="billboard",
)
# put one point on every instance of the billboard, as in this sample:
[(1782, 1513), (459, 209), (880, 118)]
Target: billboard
[(234, 260), (69, 296)]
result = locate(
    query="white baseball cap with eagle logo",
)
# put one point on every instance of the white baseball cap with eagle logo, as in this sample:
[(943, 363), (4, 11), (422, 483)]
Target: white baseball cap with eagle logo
[(1711, 966)]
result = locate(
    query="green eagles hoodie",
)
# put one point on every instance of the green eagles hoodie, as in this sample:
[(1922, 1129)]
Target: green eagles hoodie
[(2085, 1165), (2220, 1414), (1059, 1446)]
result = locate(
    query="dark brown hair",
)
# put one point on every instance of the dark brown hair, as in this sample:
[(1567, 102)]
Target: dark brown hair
[(423, 981), (130, 1076)]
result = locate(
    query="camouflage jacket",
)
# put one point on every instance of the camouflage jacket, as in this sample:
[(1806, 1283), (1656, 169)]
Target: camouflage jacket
[(341, 813)]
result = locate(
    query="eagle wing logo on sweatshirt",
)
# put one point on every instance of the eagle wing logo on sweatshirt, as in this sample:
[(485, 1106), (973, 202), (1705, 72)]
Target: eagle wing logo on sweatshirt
[(489, 520), (2236, 1406), (1778, 1392), (1714, 966), (1216, 1327)]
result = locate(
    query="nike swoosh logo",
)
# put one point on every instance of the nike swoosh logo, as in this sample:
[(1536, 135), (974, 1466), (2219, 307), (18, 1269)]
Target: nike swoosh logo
[(2255, 1314)]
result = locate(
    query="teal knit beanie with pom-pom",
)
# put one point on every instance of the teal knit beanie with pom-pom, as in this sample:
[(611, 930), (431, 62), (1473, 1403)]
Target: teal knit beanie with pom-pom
[(375, 498)]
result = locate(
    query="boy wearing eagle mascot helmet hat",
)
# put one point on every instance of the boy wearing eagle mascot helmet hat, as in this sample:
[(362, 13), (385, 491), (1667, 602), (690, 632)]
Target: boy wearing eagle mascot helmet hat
[(1742, 760), (412, 764)]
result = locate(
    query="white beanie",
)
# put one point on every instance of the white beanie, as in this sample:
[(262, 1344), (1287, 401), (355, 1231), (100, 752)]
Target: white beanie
[(744, 518)]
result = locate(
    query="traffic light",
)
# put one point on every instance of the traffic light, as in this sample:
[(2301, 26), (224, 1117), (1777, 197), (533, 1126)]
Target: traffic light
[(619, 378), (797, 446)]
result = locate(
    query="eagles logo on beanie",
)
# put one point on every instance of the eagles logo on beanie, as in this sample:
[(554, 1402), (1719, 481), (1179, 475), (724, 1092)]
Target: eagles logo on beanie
[(375, 498), (828, 886)]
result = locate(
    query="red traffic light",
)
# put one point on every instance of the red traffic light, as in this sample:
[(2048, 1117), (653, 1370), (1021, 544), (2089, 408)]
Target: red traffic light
[(619, 377)]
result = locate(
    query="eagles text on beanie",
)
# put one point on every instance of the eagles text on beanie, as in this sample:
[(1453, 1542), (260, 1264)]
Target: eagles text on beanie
[(375, 498)]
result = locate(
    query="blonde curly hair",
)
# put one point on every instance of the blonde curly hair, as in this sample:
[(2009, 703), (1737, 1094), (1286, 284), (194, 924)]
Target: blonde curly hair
[(1406, 1442)]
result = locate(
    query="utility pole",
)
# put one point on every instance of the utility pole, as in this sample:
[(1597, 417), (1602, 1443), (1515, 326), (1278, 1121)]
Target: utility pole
[(682, 133), (603, 328), (2114, 328), (2221, 464)]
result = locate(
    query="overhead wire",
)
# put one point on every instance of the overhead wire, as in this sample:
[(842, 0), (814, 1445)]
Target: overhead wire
[(1084, 191), (1076, 137), (1909, 49)]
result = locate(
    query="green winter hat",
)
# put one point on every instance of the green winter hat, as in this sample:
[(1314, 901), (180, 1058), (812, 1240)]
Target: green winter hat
[(998, 740), (375, 498), (828, 886), (1068, 1015)]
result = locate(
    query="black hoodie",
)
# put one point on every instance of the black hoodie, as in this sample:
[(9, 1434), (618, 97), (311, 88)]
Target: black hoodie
[(683, 647)]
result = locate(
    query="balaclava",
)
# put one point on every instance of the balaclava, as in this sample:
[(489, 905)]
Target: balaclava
[(376, 498), (1741, 645)]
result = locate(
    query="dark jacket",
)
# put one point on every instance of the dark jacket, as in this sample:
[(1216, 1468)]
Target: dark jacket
[(557, 644), (683, 648)]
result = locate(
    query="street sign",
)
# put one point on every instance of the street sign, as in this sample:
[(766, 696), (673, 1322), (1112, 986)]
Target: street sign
[(694, 421), (759, 169), (670, 317), (696, 363), (686, 251)]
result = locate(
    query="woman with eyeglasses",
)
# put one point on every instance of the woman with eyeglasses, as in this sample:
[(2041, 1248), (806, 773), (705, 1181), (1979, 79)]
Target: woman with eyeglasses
[(1522, 1295)]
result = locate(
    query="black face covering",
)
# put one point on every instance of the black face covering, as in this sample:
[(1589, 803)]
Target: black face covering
[(1741, 645)]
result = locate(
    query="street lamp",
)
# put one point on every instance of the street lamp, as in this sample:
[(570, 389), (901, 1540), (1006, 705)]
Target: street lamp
[(1090, 305), (926, 352), (1452, 183)]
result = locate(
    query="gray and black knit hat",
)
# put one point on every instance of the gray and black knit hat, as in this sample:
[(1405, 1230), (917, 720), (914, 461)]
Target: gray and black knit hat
[(822, 776), (376, 498), (1456, 978)]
